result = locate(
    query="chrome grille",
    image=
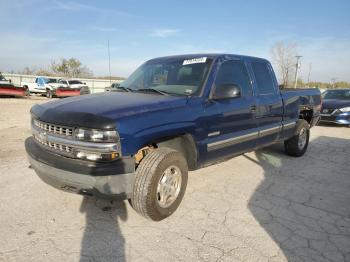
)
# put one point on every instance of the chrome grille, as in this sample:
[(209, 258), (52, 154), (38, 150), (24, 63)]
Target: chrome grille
[(54, 129), (54, 146)]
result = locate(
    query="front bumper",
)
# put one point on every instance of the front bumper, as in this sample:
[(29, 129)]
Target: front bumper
[(10, 91), (67, 92), (104, 180), (341, 119)]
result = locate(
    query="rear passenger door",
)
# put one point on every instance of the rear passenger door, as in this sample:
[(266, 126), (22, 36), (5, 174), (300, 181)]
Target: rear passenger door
[(269, 110)]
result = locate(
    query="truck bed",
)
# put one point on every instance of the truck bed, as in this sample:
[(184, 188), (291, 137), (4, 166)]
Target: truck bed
[(298, 100)]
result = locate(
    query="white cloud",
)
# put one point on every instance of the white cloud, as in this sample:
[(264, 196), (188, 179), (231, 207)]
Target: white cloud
[(329, 56), (103, 29), (79, 7), (164, 32), (119, 67), (73, 6)]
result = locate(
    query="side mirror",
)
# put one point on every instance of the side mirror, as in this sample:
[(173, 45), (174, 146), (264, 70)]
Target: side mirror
[(226, 91), (10, 81)]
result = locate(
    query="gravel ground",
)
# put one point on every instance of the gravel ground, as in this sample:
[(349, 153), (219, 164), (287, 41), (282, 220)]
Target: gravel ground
[(261, 206)]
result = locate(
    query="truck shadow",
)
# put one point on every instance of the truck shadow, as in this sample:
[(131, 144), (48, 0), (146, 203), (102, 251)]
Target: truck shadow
[(325, 124), (303, 203), (103, 240)]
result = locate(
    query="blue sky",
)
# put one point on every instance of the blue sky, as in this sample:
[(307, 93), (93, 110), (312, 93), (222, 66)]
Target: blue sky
[(35, 32)]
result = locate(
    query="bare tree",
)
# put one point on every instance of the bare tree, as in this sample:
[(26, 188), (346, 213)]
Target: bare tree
[(70, 68), (27, 71), (283, 57)]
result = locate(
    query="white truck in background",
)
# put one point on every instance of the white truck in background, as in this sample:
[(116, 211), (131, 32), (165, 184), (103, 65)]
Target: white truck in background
[(49, 86), (65, 88), (72, 83), (41, 85)]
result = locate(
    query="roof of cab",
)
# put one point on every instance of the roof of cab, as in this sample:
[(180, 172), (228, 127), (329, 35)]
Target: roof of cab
[(208, 55)]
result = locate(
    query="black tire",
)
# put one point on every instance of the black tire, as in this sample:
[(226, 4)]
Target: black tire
[(293, 146), (150, 172), (27, 93), (48, 94)]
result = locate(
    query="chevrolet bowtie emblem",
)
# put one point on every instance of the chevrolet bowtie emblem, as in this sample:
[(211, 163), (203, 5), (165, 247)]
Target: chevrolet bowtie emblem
[(43, 136)]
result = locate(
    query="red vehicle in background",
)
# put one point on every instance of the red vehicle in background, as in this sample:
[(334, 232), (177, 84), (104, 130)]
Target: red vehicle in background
[(9, 89)]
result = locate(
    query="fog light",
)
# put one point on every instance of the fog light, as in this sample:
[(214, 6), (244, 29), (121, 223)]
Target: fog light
[(81, 155), (96, 156)]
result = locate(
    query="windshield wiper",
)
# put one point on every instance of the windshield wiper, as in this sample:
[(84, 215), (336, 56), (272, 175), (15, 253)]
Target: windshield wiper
[(125, 89), (153, 90)]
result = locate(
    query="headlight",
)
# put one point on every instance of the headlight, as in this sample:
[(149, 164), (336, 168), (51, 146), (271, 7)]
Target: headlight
[(345, 109), (96, 135)]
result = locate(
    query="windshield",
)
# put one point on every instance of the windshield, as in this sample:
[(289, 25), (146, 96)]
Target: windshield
[(337, 94), (50, 80), (74, 82), (177, 77)]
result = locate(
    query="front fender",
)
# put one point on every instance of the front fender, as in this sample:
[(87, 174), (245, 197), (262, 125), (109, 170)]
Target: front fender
[(47, 87), (131, 143)]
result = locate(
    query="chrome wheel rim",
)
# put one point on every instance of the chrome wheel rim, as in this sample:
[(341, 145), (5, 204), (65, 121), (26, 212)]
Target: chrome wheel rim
[(169, 186), (302, 138)]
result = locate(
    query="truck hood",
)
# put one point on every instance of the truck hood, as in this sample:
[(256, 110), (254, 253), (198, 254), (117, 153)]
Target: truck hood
[(335, 103), (53, 85), (77, 85), (103, 110)]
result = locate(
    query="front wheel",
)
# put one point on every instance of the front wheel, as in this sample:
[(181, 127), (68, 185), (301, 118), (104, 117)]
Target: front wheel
[(160, 184), (297, 145), (49, 94), (26, 91)]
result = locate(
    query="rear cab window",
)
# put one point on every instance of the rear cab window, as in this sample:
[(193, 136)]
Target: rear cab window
[(264, 81)]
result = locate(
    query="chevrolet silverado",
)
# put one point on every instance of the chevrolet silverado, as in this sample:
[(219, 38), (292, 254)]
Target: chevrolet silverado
[(173, 114)]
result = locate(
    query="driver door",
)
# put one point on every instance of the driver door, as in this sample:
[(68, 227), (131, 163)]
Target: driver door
[(231, 124)]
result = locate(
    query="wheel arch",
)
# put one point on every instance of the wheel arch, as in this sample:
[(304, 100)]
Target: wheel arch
[(184, 143), (306, 114)]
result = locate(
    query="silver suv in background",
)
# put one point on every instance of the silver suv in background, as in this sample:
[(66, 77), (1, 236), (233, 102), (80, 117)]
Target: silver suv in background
[(112, 87)]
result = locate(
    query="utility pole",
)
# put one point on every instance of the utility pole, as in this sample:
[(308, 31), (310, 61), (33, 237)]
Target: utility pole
[(308, 76), (333, 81), (297, 66), (109, 65)]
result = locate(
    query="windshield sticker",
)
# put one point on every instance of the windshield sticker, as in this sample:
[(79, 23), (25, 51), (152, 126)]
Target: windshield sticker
[(195, 61)]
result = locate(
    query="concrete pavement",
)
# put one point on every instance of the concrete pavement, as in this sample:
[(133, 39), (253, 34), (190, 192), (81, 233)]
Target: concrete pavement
[(261, 206)]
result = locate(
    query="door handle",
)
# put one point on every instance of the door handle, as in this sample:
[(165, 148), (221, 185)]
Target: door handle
[(253, 108)]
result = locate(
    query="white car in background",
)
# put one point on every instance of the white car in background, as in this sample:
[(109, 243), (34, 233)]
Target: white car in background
[(72, 83), (65, 88)]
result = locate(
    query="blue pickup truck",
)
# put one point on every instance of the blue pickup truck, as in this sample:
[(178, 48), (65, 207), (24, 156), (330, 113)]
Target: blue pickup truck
[(173, 114)]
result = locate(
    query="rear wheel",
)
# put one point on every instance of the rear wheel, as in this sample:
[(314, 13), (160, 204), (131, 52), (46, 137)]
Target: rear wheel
[(160, 184), (297, 145)]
